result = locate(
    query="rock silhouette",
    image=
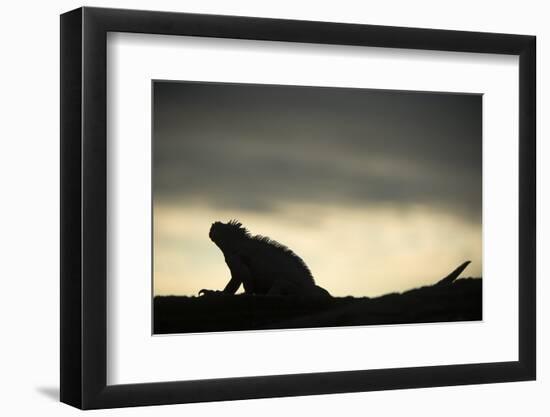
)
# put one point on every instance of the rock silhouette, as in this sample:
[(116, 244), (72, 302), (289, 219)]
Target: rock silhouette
[(461, 300)]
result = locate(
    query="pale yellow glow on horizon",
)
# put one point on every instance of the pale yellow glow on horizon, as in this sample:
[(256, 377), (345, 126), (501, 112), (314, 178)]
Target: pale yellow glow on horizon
[(350, 251)]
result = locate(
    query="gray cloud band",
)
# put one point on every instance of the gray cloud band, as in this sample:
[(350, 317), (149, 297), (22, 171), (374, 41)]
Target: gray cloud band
[(259, 147)]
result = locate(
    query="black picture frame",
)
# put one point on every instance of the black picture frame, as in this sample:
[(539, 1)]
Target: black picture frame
[(84, 197)]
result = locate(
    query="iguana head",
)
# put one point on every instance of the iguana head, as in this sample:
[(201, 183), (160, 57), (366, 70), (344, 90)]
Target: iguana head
[(227, 234)]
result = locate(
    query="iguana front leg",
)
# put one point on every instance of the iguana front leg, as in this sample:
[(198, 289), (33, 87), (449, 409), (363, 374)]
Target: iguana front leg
[(230, 289), (239, 275)]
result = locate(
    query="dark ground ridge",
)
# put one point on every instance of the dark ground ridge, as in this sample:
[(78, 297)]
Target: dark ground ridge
[(460, 300)]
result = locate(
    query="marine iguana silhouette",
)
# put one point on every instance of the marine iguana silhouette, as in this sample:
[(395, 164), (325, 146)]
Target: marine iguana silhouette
[(262, 265)]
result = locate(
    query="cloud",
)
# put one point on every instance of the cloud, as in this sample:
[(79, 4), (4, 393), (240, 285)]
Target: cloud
[(262, 147)]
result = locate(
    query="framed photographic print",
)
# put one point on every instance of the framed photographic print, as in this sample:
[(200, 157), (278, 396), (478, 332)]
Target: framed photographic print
[(256, 208)]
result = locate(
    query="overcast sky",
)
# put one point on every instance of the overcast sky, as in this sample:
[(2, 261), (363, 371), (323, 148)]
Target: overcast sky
[(298, 161)]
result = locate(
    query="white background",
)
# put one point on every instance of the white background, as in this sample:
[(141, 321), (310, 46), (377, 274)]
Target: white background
[(134, 356), (30, 204)]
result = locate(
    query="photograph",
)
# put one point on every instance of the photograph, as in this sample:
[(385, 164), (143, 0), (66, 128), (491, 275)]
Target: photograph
[(288, 207), (267, 205)]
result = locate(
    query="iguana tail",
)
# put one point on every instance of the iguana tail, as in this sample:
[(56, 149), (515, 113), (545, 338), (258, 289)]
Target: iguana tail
[(321, 292), (449, 279)]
